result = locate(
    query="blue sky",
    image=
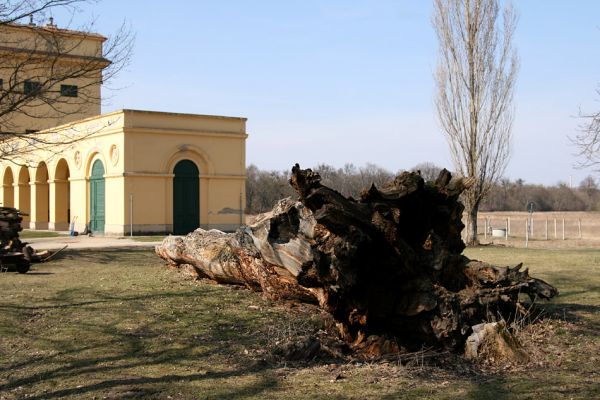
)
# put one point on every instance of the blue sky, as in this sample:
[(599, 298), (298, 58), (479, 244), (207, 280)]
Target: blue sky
[(349, 81)]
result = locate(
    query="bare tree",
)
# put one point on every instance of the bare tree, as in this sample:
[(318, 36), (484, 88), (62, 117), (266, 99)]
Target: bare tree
[(265, 188), (477, 68), (428, 170), (50, 75), (587, 141)]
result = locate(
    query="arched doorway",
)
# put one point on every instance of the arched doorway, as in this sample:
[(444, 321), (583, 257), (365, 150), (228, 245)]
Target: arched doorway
[(186, 197), (8, 196), (97, 198)]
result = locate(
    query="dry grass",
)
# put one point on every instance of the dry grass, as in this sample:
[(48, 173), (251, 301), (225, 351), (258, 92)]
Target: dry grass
[(119, 325), (589, 222)]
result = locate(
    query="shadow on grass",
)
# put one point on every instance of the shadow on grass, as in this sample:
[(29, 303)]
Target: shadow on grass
[(88, 369), (120, 356), (105, 298), (161, 342), (266, 383), (98, 374), (38, 273), (105, 256)]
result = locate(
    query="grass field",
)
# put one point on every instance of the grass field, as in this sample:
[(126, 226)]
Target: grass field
[(119, 325)]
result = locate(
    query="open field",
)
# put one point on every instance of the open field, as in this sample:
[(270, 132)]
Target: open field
[(588, 221), (581, 229), (119, 325)]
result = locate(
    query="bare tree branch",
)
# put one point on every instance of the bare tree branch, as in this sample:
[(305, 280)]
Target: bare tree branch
[(587, 141), (50, 76)]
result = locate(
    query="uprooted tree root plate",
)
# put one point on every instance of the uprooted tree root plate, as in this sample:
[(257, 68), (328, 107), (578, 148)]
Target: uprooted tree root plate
[(388, 267)]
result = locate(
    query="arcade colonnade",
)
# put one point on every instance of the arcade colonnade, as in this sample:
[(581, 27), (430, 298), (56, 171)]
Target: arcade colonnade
[(133, 171)]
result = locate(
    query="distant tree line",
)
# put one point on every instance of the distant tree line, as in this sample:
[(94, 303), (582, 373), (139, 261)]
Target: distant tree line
[(514, 196), (265, 188)]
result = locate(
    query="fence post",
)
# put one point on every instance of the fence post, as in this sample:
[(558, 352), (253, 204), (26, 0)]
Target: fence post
[(526, 232), (506, 231), (485, 221)]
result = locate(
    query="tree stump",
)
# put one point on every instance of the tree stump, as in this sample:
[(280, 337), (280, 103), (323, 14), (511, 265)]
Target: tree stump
[(388, 265)]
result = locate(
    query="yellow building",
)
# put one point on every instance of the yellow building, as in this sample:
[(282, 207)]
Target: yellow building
[(57, 72), (125, 171)]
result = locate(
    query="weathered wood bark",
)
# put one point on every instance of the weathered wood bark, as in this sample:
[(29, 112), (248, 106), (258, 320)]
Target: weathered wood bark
[(389, 264), (14, 254)]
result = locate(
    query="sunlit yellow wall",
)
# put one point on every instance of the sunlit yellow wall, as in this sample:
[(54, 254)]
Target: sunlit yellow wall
[(24, 49), (139, 150), (75, 43)]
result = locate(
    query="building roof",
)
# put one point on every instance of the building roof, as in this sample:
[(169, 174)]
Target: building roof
[(131, 112), (127, 110), (55, 30)]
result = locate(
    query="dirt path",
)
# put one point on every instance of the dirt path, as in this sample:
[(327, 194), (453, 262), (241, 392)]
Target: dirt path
[(85, 242)]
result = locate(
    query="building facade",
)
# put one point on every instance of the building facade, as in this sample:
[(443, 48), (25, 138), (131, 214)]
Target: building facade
[(127, 171), (48, 76)]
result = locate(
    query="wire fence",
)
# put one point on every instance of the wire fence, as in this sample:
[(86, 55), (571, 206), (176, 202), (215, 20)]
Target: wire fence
[(538, 226)]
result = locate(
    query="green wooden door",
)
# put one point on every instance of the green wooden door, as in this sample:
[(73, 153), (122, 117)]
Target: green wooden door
[(97, 198), (186, 198)]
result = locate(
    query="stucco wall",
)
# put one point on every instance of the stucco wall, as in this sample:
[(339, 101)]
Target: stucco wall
[(139, 150), (25, 54)]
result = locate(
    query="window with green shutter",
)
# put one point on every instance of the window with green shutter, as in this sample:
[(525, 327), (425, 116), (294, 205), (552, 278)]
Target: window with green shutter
[(32, 87)]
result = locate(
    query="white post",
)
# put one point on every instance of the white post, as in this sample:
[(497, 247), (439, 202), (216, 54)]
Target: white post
[(241, 211), (526, 232), (506, 231), (563, 228), (130, 215), (486, 228)]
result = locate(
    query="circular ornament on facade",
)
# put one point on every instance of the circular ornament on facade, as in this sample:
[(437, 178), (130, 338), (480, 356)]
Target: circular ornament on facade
[(77, 158), (114, 154)]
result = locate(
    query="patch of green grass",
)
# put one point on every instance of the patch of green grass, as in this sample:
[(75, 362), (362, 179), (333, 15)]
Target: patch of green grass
[(119, 324), (576, 273), (572, 343), (27, 234)]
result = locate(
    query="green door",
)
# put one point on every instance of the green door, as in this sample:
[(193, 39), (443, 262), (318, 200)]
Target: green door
[(97, 198), (186, 198)]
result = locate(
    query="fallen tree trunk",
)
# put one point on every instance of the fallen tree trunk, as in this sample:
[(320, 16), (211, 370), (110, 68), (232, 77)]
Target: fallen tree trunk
[(388, 265), (14, 254)]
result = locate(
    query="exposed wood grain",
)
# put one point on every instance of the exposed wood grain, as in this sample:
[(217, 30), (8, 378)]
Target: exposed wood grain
[(387, 265)]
